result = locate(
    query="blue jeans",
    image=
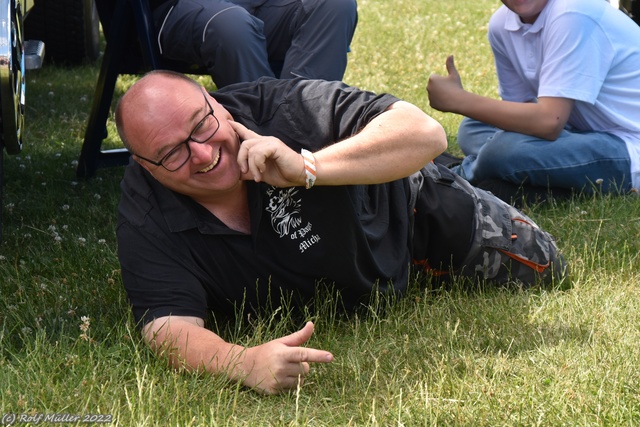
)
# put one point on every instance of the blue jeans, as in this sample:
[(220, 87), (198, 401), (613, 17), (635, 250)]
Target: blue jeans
[(584, 161)]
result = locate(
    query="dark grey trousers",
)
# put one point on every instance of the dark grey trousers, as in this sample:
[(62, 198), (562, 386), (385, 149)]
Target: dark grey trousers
[(242, 40)]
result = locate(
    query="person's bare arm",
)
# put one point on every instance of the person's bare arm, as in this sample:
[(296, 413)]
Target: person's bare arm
[(545, 118), (393, 145), (272, 367)]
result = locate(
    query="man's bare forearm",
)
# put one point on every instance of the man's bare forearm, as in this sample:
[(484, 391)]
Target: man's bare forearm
[(187, 344), (393, 145)]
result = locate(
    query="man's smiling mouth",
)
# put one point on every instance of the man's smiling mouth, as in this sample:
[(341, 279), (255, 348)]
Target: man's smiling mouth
[(212, 165)]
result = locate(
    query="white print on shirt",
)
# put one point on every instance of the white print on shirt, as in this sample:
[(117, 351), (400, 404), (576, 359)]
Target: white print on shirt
[(286, 219)]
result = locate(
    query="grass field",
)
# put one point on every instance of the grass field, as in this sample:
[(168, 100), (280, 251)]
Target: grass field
[(550, 357)]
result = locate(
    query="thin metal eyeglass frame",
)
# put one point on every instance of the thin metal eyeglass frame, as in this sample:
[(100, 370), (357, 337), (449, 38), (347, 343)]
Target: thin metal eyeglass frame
[(186, 141)]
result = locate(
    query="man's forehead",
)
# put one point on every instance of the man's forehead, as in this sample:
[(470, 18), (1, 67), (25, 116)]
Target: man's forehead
[(168, 88)]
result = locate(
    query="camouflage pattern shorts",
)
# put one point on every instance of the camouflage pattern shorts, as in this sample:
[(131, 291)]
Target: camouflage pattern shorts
[(506, 245)]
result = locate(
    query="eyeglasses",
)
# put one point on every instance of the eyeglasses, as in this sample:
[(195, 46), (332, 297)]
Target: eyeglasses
[(181, 153)]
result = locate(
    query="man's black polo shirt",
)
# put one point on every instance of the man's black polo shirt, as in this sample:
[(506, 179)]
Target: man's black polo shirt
[(179, 259)]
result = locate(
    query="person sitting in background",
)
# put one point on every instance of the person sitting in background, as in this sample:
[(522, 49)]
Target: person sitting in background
[(262, 193), (243, 40), (569, 117)]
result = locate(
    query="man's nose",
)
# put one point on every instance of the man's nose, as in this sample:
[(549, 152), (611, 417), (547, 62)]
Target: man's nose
[(200, 151)]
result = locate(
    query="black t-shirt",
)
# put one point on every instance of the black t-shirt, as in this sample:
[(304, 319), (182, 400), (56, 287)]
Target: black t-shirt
[(179, 259)]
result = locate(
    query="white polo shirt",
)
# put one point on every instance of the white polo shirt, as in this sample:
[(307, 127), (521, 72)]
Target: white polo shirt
[(584, 50)]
